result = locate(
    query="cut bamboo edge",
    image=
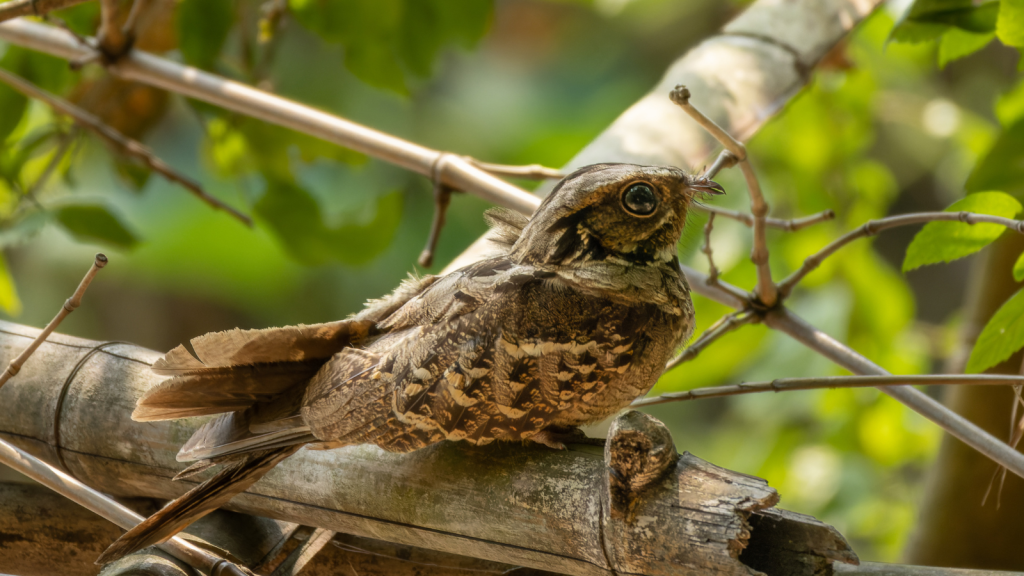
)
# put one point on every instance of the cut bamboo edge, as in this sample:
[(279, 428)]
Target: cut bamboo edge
[(462, 175)]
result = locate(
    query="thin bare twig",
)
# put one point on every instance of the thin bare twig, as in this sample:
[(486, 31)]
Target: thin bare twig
[(791, 225), (723, 326), (119, 141), (442, 197), (765, 290), (138, 7), (69, 306), (706, 249), (872, 227), (725, 159), (789, 384), (106, 507), (112, 40), (16, 8), (969, 433)]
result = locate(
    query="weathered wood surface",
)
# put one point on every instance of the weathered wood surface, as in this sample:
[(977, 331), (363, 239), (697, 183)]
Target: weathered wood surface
[(524, 506)]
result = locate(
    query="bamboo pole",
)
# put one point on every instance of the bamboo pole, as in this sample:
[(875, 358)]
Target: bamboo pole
[(519, 505)]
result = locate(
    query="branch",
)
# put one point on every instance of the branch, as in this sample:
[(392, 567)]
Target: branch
[(69, 306), (748, 219), (765, 289), (118, 141), (790, 384), (785, 321), (725, 324), (137, 66), (872, 227), (16, 8)]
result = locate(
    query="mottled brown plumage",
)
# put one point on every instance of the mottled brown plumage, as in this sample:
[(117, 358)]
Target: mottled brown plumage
[(570, 321)]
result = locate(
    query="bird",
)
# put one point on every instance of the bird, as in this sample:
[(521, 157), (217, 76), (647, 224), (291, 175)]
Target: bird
[(572, 316)]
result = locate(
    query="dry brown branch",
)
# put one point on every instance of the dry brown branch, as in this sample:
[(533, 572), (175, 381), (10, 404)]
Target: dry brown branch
[(765, 289), (872, 227), (69, 306), (113, 42), (789, 384), (119, 141), (16, 8), (111, 510), (708, 251), (725, 159), (723, 326), (791, 225)]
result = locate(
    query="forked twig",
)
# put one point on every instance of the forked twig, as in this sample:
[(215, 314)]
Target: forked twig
[(442, 198), (725, 159), (765, 290), (723, 326), (791, 225), (119, 141), (872, 227), (69, 306), (789, 384)]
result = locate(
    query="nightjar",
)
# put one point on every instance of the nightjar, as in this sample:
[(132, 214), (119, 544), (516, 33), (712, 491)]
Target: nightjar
[(572, 319)]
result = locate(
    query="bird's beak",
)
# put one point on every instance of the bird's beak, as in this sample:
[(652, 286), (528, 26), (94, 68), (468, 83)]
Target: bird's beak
[(707, 186)]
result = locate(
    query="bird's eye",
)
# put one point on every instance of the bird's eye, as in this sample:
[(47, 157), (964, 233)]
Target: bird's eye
[(640, 200)]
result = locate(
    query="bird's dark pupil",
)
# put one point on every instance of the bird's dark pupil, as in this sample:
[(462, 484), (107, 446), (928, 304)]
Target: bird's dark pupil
[(640, 199)]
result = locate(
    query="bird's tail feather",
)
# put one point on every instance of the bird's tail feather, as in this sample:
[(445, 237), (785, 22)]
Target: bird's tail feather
[(236, 476)]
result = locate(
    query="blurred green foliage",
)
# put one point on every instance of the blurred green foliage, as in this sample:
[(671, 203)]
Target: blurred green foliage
[(878, 131)]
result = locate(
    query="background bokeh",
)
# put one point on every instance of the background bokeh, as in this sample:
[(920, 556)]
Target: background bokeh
[(880, 130)]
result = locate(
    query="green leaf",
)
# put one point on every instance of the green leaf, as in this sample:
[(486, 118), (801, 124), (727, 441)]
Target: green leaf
[(1001, 337), (203, 27), (1010, 106), (9, 301), (1018, 269), (957, 43), (1002, 167), (1010, 27), (95, 223), (929, 19), (948, 241), (385, 38), (293, 216)]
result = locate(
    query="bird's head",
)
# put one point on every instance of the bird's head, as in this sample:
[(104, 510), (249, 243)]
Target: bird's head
[(618, 213)]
